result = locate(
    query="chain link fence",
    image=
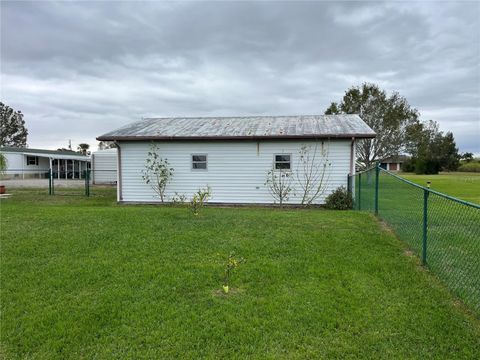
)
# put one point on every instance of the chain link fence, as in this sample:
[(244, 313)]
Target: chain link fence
[(443, 231), (80, 183)]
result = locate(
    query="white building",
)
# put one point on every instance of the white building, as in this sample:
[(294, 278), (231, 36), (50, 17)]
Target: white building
[(234, 154), (104, 166), (24, 163), (393, 163)]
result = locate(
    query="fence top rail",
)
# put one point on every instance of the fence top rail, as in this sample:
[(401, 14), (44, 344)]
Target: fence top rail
[(363, 171), (431, 191)]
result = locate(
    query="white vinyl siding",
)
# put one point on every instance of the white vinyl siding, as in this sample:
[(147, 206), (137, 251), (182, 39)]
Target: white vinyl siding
[(104, 166), (236, 169)]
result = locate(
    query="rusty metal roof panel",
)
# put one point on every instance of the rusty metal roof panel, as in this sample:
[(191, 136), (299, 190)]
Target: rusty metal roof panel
[(248, 127)]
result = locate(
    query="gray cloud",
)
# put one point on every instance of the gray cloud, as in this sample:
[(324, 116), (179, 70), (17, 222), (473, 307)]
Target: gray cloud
[(80, 69)]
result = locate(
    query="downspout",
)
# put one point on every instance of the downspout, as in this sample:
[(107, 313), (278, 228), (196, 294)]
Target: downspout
[(119, 172), (352, 157)]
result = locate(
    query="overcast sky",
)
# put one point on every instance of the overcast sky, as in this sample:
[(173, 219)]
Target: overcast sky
[(78, 70)]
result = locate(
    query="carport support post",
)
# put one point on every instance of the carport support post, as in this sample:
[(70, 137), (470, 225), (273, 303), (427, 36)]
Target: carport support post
[(425, 226), (50, 179), (377, 173)]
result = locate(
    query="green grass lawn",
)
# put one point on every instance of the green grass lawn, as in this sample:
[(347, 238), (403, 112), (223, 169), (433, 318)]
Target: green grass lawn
[(465, 186), (87, 278)]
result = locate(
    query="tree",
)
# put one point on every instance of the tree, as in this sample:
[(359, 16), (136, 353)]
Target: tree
[(157, 172), (83, 148), (467, 156), (12, 127), (431, 150), (3, 164), (313, 172), (448, 152), (103, 145), (388, 116), (279, 183)]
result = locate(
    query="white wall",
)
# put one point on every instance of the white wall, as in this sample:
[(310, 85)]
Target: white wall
[(17, 166), (14, 161), (236, 170), (104, 166)]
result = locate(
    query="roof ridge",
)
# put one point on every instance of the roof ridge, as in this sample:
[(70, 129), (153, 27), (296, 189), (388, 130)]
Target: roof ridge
[(32, 150), (243, 116)]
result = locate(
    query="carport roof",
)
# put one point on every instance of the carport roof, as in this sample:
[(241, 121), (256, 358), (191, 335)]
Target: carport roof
[(55, 154)]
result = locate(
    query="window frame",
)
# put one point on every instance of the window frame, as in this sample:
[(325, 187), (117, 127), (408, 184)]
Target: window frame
[(35, 160), (282, 162), (198, 162)]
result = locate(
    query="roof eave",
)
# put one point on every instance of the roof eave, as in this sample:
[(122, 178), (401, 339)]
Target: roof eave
[(254, 137)]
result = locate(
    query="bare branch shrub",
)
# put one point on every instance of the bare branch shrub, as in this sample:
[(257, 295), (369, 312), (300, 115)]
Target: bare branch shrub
[(279, 183), (313, 172)]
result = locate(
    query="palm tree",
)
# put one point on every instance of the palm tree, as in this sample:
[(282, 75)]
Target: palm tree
[(83, 148)]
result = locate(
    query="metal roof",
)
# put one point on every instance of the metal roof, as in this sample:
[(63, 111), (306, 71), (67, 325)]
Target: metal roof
[(56, 154), (396, 159), (248, 127)]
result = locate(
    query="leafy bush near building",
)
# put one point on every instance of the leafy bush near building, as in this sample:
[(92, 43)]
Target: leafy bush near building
[(199, 199), (157, 172), (340, 199)]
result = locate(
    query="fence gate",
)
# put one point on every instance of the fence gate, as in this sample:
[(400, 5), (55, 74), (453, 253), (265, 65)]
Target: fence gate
[(79, 185)]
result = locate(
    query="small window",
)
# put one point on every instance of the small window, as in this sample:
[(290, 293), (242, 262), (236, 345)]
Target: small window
[(199, 162), (32, 160), (282, 162)]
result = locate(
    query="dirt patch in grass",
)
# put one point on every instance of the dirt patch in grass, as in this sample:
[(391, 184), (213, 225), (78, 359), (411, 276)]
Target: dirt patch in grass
[(231, 292), (384, 226), (408, 253)]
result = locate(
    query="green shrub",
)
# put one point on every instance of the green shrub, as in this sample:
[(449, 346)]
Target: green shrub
[(179, 199), (427, 166), (199, 199), (408, 165), (340, 199), (3, 164), (472, 166)]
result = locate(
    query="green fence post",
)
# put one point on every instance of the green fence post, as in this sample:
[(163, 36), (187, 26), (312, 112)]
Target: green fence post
[(377, 173), (425, 226), (360, 191), (85, 179), (88, 182), (50, 182)]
